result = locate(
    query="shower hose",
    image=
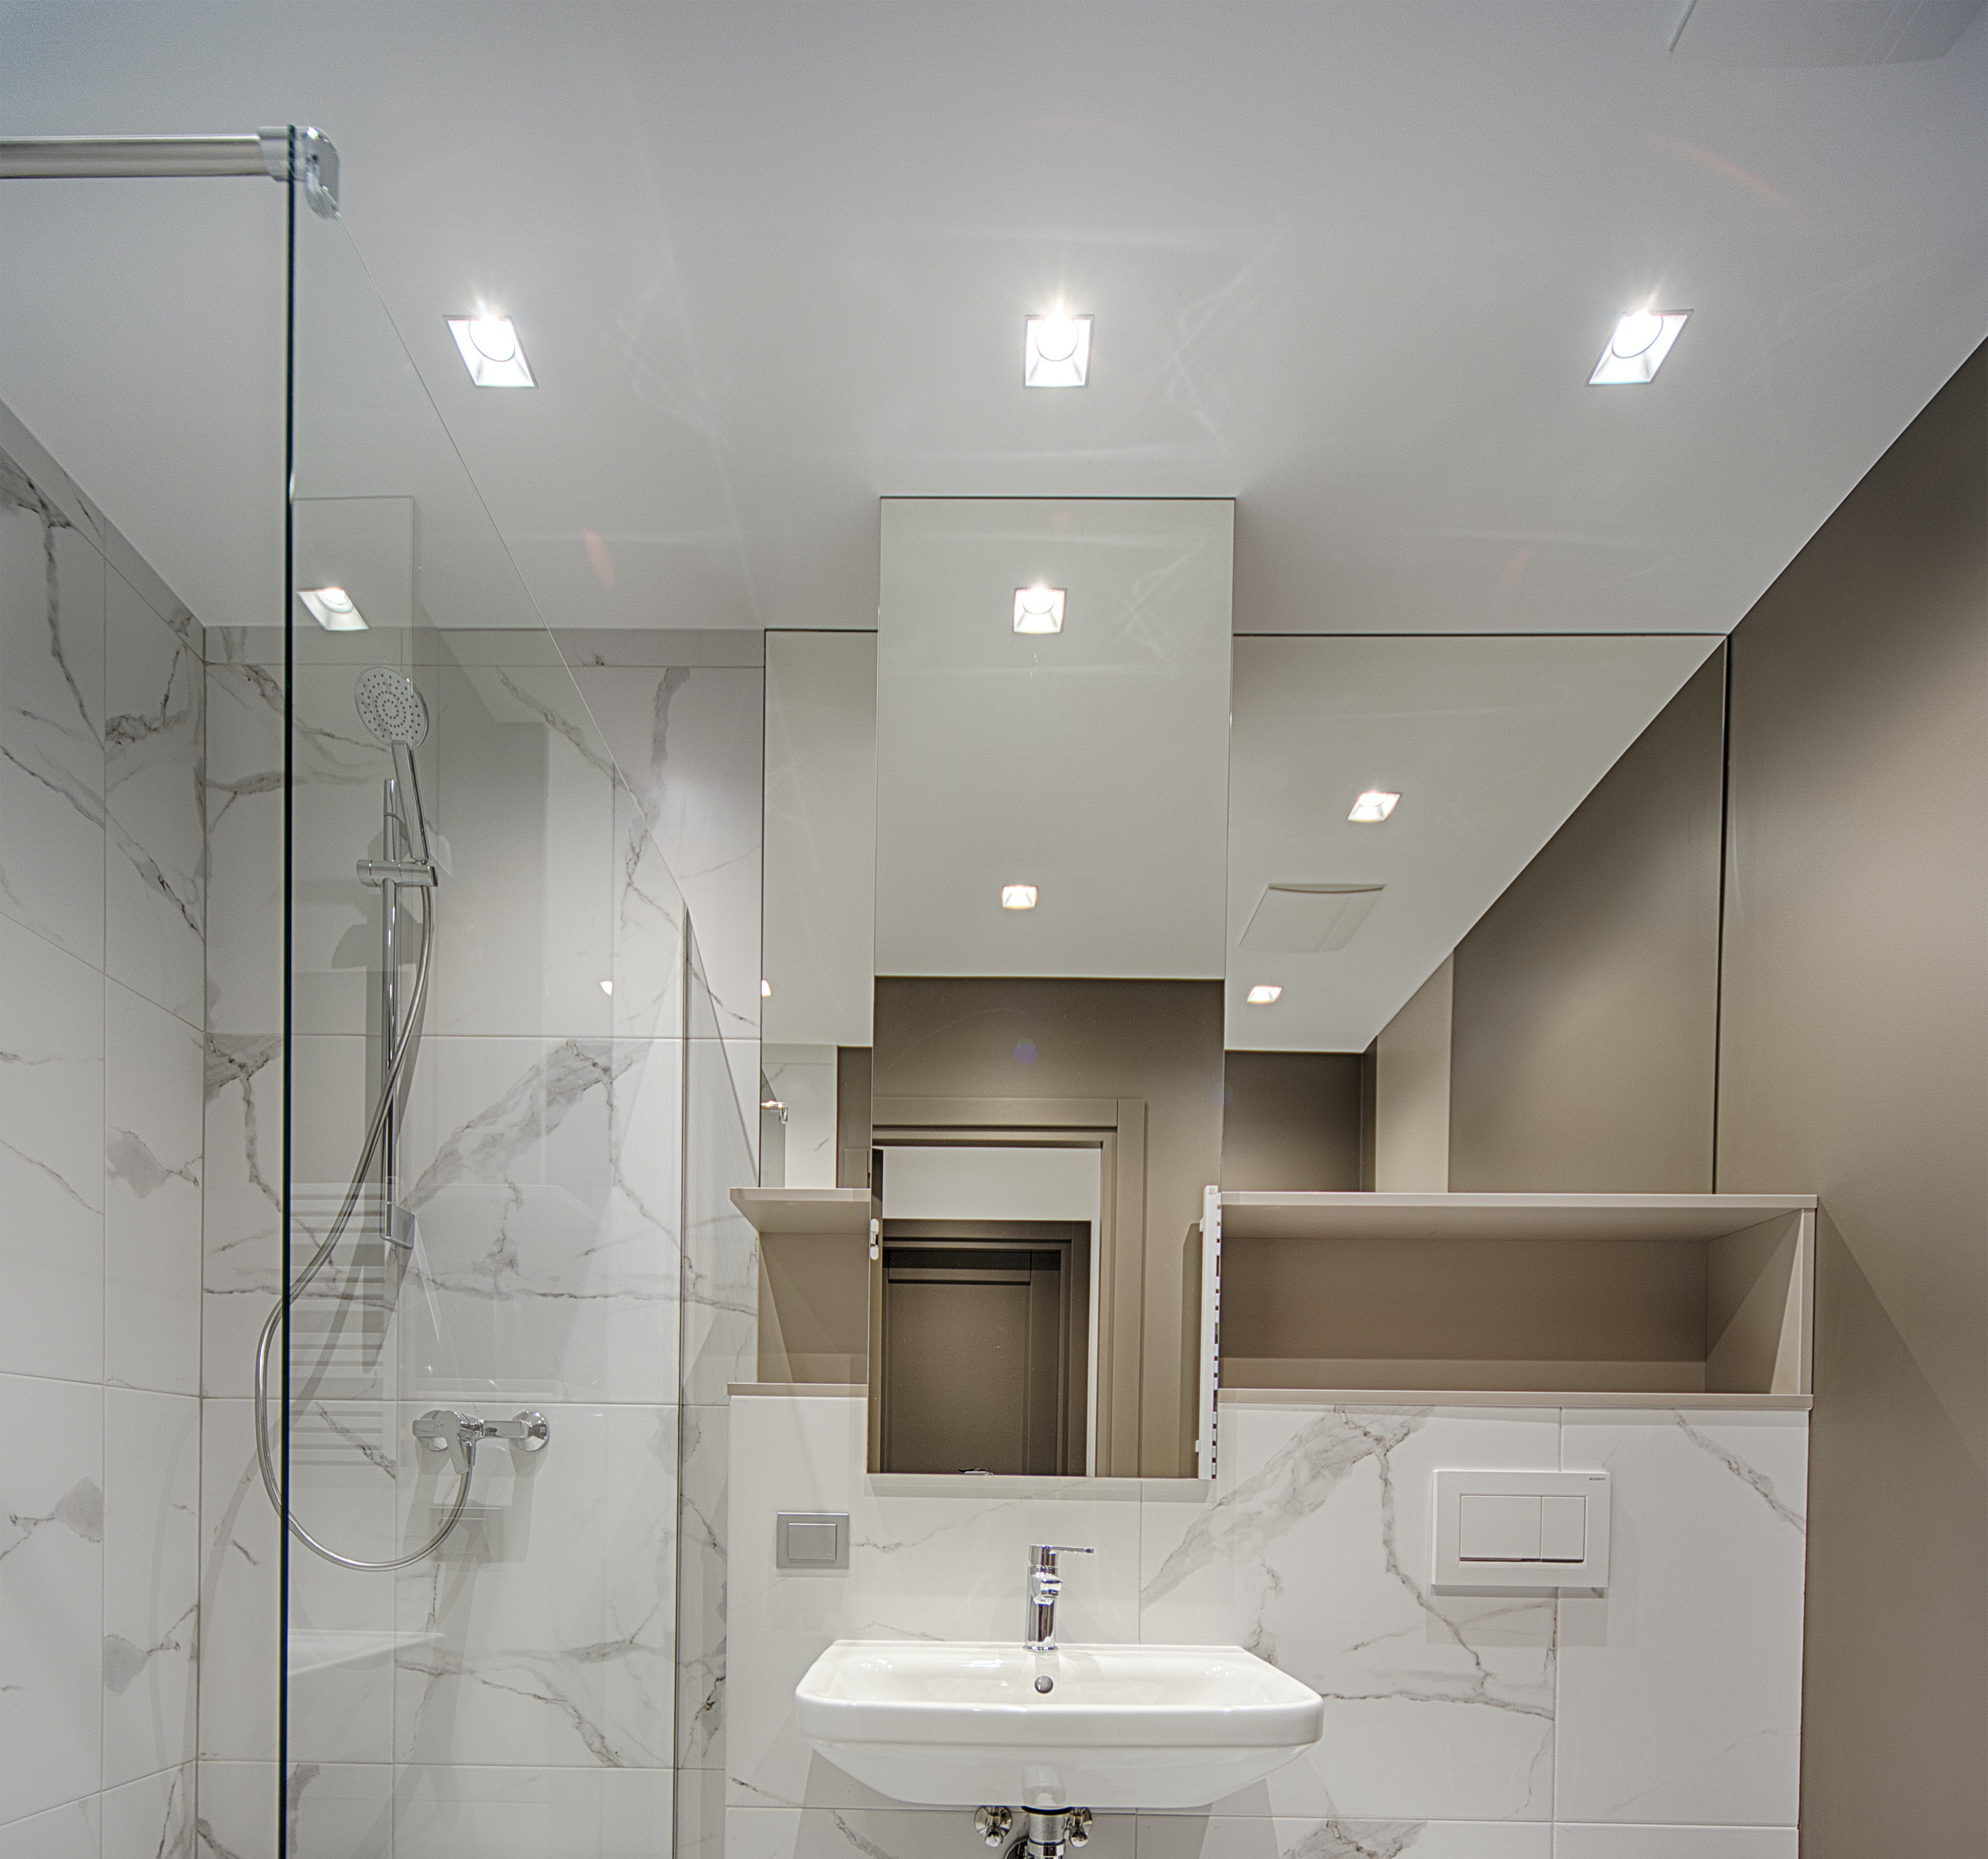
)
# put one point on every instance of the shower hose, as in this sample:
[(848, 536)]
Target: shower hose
[(389, 1085)]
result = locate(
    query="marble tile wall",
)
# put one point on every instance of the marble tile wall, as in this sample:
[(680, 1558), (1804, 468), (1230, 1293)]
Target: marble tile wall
[(514, 1692), (102, 919), (1659, 1720), (683, 715)]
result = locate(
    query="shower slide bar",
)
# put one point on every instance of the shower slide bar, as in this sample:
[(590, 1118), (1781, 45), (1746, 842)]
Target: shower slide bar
[(269, 152)]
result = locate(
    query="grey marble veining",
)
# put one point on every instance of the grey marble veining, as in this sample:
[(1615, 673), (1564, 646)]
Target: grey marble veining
[(51, 747), (155, 802)]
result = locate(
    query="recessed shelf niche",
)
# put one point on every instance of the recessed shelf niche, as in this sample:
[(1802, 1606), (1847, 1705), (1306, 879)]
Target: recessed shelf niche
[(1632, 1300)]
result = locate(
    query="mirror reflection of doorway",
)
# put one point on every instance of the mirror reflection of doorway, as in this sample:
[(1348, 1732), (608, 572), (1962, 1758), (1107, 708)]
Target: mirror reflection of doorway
[(983, 1345), (984, 1302)]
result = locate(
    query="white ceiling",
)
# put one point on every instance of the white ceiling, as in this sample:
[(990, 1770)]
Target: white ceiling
[(1491, 743), (1350, 264)]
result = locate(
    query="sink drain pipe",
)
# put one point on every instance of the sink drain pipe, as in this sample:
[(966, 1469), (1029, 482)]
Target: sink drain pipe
[(1050, 1830)]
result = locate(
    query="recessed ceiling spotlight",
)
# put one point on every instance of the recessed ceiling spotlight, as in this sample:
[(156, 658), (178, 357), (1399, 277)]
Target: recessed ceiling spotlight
[(766, 990), (1039, 610), (1055, 351), (331, 608), (1373, 806), (491, 352), (1637, 349), (607, 987), (1263, 993), (1018, 896)]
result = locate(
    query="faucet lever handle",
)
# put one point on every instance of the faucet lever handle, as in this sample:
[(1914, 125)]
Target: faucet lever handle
[(1043, 1555)]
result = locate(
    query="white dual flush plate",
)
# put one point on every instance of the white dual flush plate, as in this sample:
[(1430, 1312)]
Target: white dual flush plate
[(1520, 1529)]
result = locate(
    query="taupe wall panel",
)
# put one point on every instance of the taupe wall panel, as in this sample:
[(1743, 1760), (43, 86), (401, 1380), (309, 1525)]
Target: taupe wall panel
[(1291, 1120), (1854, 1063), (1585, 1014), (1157, 1040)]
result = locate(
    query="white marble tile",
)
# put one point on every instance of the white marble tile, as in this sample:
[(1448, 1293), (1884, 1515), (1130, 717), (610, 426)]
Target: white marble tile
[(152, 1145), (886, 1832), (51, 1594), (1314, 1553), (703, 1531), (1573, 1841), (331, 1810), (1680, 1688), (339, 1645), (241, 1214), (151, 1582), (650, 925), (525, 793), (51, 1160), (803, 1453), (155, 887), (235, 1811), (522, 1812), (542, 1633), (68, 1832), (802, 1078), (1227, 1837), (151, 1818), (687, 741), (721, 1264), (331, 1081), (52, 593), (700, 1813), (244, 849), (547, 1271)]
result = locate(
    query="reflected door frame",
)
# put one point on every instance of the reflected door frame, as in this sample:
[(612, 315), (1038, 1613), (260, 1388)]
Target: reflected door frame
[(1117, 1126)]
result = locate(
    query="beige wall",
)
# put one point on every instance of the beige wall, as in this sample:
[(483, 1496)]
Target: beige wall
[(1411, 1093), (1159, 1041), (1586, 998), (1291, 1120), (1854, 1063)]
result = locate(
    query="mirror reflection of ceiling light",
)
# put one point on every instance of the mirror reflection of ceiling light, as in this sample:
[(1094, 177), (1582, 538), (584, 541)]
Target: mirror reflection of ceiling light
[(607, 987), (1263, 993), (1018, 896), (1055, 351), (1637, 349), (489, 346), (1372, 806), (1039, 610), (766, 990), (331, 608)]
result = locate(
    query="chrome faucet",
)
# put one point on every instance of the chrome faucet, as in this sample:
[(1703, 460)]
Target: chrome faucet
[(1045, 1584)]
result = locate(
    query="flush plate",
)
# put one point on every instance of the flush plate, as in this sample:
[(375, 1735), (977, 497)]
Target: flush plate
[(816, 1539), (1520, 1529)]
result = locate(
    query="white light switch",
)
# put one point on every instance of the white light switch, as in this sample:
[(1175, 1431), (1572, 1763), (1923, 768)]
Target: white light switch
[(1498, 1528), (1520, 1529), (1563, 1529)]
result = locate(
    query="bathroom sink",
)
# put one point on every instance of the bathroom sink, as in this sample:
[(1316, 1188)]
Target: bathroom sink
[(962, 1723)]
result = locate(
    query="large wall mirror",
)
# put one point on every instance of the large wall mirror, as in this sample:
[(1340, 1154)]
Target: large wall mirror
[(1077, 903)]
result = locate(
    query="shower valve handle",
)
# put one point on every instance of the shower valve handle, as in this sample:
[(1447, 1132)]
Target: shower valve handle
[(443, 1430)]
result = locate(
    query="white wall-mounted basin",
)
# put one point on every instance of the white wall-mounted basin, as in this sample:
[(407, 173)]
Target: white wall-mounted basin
[(960, 1723)]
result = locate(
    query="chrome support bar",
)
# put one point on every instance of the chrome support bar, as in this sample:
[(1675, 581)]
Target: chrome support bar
[(266, 153)]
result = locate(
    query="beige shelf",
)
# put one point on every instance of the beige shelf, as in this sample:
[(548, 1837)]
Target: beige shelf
[(1536, 1397), (805, 1210), (1260, 1215), (1550, 1300)]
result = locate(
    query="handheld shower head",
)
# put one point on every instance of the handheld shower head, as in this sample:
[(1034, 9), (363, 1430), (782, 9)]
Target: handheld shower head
[(391, 706)]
